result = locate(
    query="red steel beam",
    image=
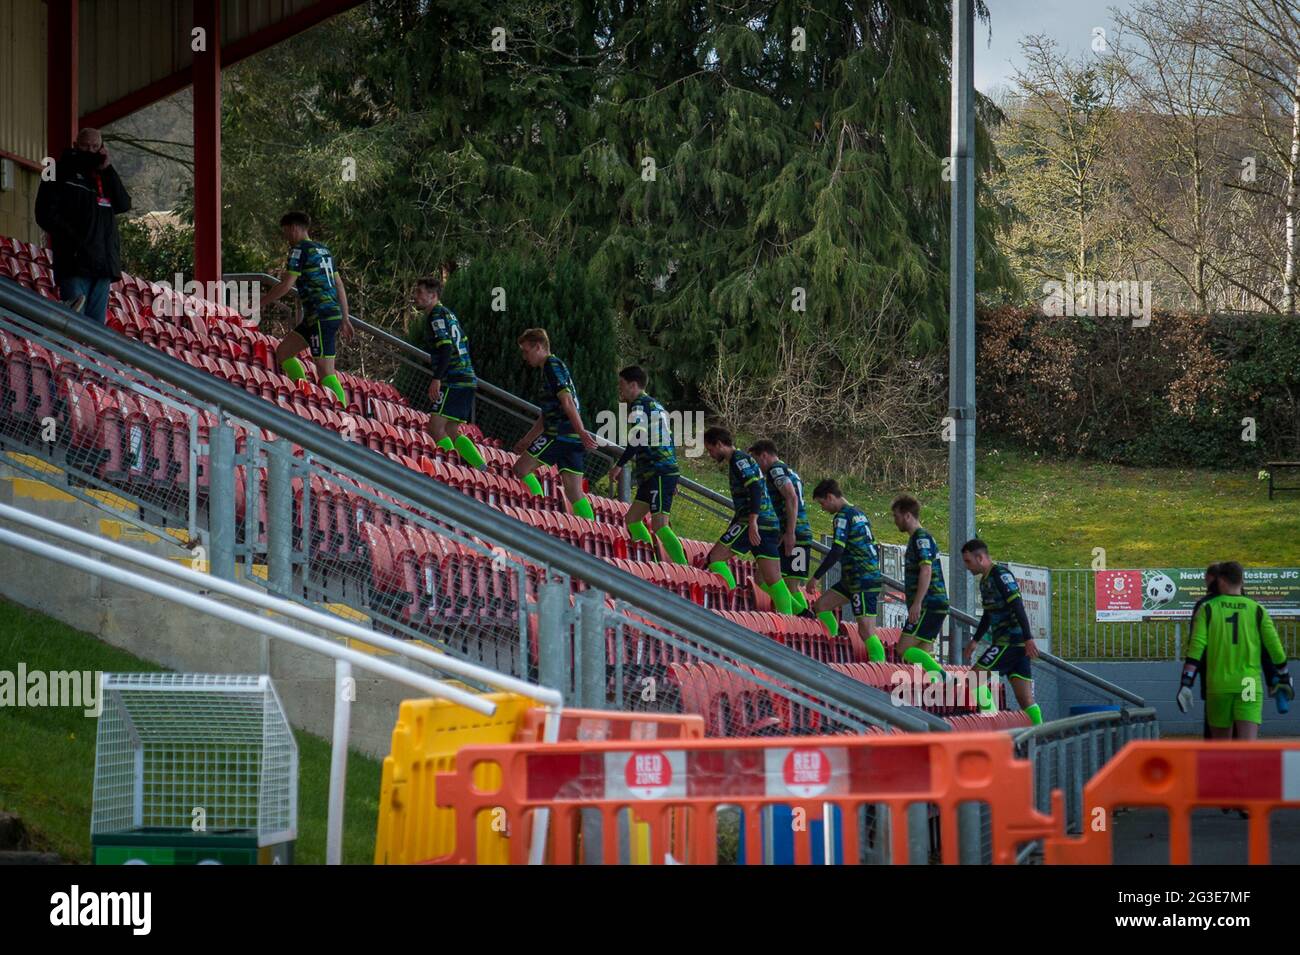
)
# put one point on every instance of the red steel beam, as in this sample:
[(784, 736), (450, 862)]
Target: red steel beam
[(22, 161), (206, 70), (61, 79)]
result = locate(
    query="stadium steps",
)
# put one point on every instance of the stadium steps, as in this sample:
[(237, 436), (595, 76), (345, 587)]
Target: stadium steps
[(128, 438), (211, 337)]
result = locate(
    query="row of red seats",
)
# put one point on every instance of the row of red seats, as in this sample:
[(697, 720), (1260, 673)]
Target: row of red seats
[(245, 357), (211, 328), (32, 275), (11, 248), (640, 647), (156, 426), (1001, 720), (157, 300), (808, 637), (729, 704), (892, 677), (33, 267), (734, 705), (239, 348), (183, 336), (438, 583), (419, 578), (696, 584), (120, 437), (311, 401)]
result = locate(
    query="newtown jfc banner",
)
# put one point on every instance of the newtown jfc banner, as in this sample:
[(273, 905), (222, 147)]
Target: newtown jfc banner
[(1171, 593)]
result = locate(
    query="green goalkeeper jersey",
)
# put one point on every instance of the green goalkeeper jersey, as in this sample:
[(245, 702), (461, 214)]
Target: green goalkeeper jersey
[(1232, 629)]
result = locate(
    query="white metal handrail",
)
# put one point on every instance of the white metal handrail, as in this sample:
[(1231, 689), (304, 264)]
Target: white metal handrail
[(287, 608), (345, 657)]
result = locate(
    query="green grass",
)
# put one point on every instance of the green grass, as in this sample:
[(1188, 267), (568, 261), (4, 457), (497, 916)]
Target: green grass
[(1035, 510), (47, 754)]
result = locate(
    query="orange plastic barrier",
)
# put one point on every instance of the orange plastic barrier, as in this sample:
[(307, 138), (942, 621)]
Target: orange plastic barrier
[(1180, 778), (677, 789), (608, 724), (428, 737)]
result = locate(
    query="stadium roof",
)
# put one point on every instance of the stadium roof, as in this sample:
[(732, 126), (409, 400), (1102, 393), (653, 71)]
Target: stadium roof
[(102, 60)]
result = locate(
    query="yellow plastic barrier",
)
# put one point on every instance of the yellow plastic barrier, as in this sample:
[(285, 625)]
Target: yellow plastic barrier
[(428, 734)]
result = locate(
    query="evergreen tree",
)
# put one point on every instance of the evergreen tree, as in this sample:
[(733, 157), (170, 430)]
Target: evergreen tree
[(730, 175)]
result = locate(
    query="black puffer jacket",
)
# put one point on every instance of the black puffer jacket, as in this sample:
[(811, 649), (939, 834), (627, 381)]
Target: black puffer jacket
[(77, 208)]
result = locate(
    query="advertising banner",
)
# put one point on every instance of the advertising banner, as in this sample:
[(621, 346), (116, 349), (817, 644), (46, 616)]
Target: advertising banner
[(1171, 593)]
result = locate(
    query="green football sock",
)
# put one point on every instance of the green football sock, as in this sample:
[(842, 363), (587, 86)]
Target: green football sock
[(293, 368), (827, 617), (672, 546), (534, 485), (639, 531), (985, 697), (1035, 714), (720, 568), (917, 656), (798, 603), (780, 595), (446, 445), (875, 649), (331, 382), (582, 507), (469, 452)]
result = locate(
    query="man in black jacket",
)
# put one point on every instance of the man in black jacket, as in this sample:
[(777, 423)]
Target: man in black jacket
[(78, 209)]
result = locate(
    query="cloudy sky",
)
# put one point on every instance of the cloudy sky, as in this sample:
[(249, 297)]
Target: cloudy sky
[(1069, 22)]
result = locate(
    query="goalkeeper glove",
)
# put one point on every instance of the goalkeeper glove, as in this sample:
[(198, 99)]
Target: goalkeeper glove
[(1185, 689), (1282, 682)]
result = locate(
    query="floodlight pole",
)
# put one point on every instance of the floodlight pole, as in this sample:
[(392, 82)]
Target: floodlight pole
[(961, 363), (961, 318)]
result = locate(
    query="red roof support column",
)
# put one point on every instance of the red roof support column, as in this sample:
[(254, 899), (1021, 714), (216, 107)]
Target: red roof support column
[(207, 143), (61, 78)]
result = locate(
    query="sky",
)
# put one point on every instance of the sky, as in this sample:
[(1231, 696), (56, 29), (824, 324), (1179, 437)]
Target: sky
[(1069, 22)]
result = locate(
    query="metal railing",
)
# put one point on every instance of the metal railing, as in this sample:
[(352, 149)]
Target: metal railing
[(278, 468), (146, 490), (700, 510), (345, 657), (1068, 752)]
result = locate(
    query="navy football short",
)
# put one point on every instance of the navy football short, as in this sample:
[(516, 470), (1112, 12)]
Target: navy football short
[(657, 491), (456, 403), (1009, 659), (321, 334), (565, 455), (736, 537), (863, 595), (928, 625), (795, 563)]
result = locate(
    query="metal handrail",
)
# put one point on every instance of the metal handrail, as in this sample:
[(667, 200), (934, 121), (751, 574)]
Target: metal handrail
[(1069, 724), (344, 659), (501, 395), (834, 688), (287, 608)]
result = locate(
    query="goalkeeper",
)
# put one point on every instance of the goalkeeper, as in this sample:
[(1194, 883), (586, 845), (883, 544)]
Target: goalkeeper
[(1228, 634)]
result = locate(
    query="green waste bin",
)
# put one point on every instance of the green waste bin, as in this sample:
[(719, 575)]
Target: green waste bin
[(163, 846), (193, 769)]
